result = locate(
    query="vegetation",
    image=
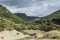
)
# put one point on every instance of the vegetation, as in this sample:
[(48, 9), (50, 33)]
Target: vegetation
[(52, 35), (10, 21), (48, 23), (5, 13)]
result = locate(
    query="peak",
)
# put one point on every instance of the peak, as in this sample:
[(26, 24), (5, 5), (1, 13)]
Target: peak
[(58, 11), (55, 15), (1, 6), (3, 9)]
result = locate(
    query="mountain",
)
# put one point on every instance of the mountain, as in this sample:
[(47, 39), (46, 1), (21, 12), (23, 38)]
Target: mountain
[(25, 17), (50, 22), (5, 13), (47, 23), (9, 21), (54, 15), (51, 17)]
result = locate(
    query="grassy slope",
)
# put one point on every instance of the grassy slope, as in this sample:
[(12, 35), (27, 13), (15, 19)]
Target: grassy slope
[(5, 13), (46, 22), (53, 15), (8, 20)]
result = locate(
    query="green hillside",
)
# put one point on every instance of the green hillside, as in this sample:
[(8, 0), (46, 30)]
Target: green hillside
[(9, 21), (53, 15), (5, 13), (50, 22)]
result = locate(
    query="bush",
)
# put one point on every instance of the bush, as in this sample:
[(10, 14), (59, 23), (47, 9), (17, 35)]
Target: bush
[(32, 34), (52, 35), (46, 28), (56, 21)]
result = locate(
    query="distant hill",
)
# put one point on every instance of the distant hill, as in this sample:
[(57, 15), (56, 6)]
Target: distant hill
[(25, 17), (53, 15), (17, 21), (50, 22)]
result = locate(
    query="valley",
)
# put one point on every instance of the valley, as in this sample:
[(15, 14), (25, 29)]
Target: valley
[(21, 27)]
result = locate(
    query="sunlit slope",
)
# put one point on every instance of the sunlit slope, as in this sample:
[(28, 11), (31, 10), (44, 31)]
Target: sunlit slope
[(5, 13)]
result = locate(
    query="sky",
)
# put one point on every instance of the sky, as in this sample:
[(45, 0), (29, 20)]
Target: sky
[(38, 8)]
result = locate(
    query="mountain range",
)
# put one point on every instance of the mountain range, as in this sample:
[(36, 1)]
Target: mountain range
[(25, 17), (17, 21)]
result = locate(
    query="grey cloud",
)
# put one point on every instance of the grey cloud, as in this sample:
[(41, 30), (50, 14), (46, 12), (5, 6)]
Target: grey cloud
[(21, 3), (18, 3), (32, 7)]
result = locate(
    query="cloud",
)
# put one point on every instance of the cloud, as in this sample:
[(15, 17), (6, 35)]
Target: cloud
[(17, 3), (32, 7)]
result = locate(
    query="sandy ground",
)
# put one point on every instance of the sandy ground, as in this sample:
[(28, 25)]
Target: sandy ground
[(11, 35), (38, 32)]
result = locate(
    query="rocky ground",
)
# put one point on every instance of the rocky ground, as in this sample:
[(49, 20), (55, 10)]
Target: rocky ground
[(29, 35), (11, 35)]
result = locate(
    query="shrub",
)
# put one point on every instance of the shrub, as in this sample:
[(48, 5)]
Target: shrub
[(52, 35), (32, 34), (46, 28)]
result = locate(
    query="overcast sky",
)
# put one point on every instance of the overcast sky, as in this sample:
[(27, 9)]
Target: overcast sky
[(32, 7)]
